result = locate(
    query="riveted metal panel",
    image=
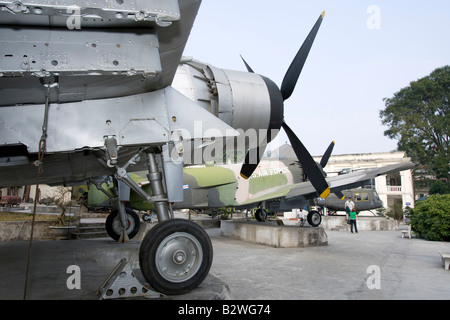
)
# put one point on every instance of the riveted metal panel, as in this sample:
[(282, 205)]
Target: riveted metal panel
[(45, 52), (78, 125), (89, 13)]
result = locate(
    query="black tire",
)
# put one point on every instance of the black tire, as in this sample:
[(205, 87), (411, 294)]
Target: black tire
[(171, 240), (314, 218), (113, 224), (261, 215)]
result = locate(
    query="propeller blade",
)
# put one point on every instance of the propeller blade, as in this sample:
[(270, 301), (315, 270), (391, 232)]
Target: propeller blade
[(292, 74), (252, 160), (326, 155), (339, 194), (249, 69), (309, 166)]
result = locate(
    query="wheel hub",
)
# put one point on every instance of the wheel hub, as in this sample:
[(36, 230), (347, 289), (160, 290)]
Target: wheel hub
[(316, 218), (178, 257), (117, 224)]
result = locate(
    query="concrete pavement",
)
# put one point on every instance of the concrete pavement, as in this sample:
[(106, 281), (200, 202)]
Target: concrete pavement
[(396, 268), (407, 268)]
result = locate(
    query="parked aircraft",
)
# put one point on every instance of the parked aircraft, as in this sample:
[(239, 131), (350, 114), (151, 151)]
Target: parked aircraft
[(364, 199), (86, 91), (220, 186)]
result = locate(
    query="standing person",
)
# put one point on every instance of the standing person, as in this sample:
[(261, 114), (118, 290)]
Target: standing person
[(349, 206), (353, 215)]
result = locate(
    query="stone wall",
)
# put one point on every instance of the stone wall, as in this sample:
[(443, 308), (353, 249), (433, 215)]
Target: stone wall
[(274, 235), (363, 223), (21, 230)]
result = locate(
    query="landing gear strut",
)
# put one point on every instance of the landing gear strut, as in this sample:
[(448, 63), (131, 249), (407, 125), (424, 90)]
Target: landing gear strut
[(175, 256), (122, 224)]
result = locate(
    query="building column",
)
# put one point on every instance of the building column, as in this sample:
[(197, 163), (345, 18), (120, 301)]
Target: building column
[(381, 188), (407, 188)]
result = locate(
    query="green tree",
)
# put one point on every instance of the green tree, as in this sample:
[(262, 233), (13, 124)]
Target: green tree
[(417, 116), (439, 187), (396, 212), (431, 218)]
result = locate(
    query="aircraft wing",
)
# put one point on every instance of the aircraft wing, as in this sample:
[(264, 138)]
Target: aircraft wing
[(350, 180), (96, 50), (305, 190)]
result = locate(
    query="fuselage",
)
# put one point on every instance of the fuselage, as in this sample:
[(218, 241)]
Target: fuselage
[(216, 186), (364, 199)]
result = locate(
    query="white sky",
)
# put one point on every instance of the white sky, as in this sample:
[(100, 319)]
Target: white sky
[(349, 70)]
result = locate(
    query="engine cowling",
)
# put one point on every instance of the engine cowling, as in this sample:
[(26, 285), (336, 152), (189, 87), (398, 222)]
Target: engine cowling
[(248, 102)]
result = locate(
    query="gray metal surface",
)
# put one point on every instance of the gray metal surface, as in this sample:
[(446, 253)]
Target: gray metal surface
[(240, 99), (136, 52), (178, 257), (43, 52), (123, 283), (92, 12)]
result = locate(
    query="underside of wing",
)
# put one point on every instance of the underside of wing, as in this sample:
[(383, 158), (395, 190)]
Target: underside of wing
[(346, 181), (92, 51)]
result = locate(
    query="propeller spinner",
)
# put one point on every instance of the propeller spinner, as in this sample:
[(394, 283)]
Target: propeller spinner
[(278, 96)]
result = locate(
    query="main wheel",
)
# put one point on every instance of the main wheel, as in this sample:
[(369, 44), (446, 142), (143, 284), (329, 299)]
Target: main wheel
[(114, 226), (314, 218), (261, 215), (175, 256)]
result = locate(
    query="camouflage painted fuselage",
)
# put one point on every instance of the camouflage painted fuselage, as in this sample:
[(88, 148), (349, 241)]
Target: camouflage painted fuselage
[(214, 186), (222, 186)]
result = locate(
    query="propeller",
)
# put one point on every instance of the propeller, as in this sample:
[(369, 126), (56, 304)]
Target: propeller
[(249, 69), (292, 74), (323, 163), (310, 167), (326, 155)]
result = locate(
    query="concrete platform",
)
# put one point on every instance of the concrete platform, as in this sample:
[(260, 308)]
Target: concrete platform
[(274, 235), (337, 223)]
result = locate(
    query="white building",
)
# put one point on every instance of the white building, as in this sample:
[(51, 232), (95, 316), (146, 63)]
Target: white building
[(392, 188)]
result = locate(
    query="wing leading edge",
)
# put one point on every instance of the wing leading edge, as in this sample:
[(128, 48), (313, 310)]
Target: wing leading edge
[(305, 190), (350, 180)]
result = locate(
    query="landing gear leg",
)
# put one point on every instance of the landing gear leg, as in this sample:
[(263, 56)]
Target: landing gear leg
[(155, 178), (115, 229), (175, 256), (122, 224), (123, 220)]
